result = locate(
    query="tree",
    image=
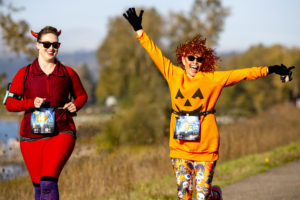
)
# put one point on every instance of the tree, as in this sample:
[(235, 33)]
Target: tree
[(86, 79), (206, 17), (15, 33), (125, 67), (129, 74), (248, 98)]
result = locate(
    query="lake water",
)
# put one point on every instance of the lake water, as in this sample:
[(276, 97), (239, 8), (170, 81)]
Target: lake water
[(9, 129), (9, 171), (9, 146)]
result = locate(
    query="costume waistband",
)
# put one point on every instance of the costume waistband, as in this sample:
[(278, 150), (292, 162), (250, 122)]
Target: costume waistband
[(194, 114), (26, 139)]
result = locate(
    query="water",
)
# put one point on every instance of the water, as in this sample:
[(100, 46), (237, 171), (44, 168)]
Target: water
[(9, 171), (10, 151), (9, 129)]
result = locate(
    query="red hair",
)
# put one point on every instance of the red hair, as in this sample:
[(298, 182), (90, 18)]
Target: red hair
[(197, 46)]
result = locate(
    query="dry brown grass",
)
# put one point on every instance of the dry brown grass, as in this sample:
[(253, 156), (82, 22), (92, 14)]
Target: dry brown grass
[(128, 173), (110, 176), (113, 176), (278, 126)]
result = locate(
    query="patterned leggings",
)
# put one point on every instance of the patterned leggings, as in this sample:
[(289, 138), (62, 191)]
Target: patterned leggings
[(184, 171)]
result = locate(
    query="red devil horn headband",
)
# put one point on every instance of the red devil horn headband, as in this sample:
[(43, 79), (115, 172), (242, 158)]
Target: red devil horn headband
[(37, 34), (34, 34)]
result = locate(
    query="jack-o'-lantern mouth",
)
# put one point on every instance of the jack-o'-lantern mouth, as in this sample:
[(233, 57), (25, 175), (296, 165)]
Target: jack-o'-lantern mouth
[(192, 112)]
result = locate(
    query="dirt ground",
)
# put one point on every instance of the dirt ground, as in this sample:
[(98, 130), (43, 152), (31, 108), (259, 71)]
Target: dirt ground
[(282, 183)]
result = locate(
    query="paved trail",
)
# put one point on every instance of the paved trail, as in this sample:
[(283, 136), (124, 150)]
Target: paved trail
[(281, 183)]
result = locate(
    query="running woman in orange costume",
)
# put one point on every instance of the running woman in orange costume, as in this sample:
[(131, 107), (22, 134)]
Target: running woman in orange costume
[(195, 87)]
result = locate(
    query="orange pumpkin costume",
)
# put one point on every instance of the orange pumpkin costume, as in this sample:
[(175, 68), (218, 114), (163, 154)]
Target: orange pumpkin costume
[(200, 93)]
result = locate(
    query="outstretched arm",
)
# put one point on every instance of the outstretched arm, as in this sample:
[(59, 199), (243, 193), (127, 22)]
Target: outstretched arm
[(163, 64), (232, 77), (228, 78)]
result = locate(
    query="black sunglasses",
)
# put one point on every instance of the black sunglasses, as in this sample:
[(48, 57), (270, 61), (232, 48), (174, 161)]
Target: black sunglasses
[(46, 45), (198, 59)]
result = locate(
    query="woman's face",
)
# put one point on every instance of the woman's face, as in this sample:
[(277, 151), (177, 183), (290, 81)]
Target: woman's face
[(48, 46), (192, 64)]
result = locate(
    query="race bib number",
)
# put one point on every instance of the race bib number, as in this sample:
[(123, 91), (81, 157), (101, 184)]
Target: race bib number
[(43, 121), (187, 128)]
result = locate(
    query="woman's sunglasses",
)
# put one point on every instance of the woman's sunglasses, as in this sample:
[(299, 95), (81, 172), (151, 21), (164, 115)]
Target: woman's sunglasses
[(46, 45), (198, 59)]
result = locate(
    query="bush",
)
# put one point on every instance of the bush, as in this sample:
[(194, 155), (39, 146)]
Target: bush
[(143, 123)]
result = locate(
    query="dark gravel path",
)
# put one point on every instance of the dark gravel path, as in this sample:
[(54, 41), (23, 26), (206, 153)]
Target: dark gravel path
[(281, 183)]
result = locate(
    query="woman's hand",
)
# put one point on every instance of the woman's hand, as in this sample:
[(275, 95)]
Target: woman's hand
[(70, 107), (284, 72), (133, 19), (38, 102), (280, 69)]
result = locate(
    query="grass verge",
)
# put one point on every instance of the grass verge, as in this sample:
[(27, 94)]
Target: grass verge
[(227, 172), (234, 170), (159, 187)]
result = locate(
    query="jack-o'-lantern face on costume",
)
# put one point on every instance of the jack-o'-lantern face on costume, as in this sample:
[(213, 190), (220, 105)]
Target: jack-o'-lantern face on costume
[(190, 101), (194, 57)]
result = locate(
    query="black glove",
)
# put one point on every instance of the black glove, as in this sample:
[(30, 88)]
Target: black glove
[(133, 19), (283, 71)]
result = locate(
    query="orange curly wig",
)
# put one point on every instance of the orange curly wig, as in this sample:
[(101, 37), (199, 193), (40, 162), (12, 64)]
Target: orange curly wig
[(197, 46)]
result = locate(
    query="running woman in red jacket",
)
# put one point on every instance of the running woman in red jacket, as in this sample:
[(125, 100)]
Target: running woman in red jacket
[(47, 132)]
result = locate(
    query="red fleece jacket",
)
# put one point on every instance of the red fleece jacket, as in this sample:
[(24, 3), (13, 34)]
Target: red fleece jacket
[(55, 88)]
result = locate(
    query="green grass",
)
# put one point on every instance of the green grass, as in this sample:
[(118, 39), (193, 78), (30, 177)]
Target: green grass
[(235, 170)]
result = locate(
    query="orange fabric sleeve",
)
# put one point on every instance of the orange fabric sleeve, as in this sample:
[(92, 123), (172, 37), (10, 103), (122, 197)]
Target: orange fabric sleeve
[(163, 64), (228, 78)]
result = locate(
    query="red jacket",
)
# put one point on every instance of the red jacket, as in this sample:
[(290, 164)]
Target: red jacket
[(55, 88)]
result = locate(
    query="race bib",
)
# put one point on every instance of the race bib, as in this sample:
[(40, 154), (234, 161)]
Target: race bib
[(187, 128), (42, 121)]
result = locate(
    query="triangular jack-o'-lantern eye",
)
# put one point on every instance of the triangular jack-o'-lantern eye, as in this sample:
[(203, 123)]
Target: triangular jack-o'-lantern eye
[(198, 94), (179, 95)]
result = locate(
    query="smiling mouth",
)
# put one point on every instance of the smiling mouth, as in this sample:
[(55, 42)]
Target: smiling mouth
[(194, 69)]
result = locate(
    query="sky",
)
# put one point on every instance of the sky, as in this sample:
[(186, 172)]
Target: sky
[(84, 22)]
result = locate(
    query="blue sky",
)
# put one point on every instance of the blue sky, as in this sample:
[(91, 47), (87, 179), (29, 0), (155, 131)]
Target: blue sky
[(84, 23)]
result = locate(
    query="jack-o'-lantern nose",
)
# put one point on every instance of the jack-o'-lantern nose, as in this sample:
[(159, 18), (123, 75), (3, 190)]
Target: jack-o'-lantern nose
[(187, 103)]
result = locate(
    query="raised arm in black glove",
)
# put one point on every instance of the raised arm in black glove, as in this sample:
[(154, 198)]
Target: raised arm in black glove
[(284, 72), (133, 19)]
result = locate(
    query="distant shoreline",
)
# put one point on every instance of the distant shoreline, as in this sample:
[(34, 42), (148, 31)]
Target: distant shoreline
[(9, 117)]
